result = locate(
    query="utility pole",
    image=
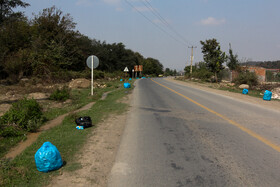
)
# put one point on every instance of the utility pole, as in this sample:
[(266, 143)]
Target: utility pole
[(192, 47)]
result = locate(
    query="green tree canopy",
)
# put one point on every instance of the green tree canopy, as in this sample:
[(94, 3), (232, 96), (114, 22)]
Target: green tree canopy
[(6, 9), (232, 63), (213, 56), (152, 66), (170, 72), (54, 44)]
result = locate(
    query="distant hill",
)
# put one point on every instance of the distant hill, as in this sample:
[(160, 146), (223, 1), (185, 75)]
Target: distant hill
[(264, 64)]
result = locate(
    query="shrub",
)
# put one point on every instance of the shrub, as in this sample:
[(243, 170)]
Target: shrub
[(22, 112), (97, 74), (247, 77), (202, 74), (10, 131), (60, 94)]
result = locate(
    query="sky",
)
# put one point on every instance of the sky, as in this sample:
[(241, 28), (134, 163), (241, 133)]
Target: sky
[(166, 29)]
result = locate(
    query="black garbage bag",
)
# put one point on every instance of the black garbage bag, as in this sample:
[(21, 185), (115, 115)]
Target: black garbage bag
[(84, 121)]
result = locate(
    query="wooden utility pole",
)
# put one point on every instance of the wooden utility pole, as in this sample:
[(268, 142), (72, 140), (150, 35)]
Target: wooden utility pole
[(192, 47)]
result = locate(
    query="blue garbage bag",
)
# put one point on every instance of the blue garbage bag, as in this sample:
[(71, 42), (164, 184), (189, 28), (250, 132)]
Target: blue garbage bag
[(48, 158), (267, 95), (245, 91), (121, 80), (126, 85), (130, 79)]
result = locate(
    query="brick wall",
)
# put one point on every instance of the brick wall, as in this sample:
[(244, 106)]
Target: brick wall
[(260, 72)]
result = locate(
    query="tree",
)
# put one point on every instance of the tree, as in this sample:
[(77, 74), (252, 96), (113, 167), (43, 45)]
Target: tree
[(213, 56), (14, 35), (233, 63), (152, 66), (54, 42), (6, 9)]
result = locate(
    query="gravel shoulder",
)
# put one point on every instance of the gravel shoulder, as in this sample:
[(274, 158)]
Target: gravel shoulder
[(274, 105)]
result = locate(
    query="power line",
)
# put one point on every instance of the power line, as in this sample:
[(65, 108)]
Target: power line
[(161, 18), (130, 4)]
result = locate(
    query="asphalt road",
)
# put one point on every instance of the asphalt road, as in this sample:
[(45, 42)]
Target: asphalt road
[(181, 136)]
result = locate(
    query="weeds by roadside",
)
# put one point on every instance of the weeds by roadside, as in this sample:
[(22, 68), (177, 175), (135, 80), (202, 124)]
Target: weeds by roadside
[(22, 170), (255, 91), (79, 97)]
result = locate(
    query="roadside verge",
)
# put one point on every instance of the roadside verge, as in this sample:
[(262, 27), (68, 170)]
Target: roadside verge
[(275, 105), (22, 170)]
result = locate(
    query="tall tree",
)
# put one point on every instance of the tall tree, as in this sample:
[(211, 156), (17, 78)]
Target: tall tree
[(54, 42), (233, 63), (213, 56), (6, 9)]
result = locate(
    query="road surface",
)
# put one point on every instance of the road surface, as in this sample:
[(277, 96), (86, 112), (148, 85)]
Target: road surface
[(181, 136)]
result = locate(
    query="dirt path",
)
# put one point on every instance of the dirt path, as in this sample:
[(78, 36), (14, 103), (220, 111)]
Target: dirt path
[(98, 155)]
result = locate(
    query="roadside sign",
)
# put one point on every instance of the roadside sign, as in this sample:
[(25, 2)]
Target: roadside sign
[(126, 69), (136, 68), (92, 60), (140, 67)]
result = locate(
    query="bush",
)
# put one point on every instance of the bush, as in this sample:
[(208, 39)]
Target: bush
[(60, 94), (97, 74), (249, 78), (10, 131), (22, 113), (203, 74)]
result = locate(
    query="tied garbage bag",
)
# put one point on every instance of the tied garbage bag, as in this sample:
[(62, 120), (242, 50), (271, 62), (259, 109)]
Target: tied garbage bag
[(126, 85), (267, 95), (130, 79), (48, 158), (121, 80), (245, 91)]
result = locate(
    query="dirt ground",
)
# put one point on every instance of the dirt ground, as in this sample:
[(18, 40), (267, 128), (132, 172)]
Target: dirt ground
[(97, 155)]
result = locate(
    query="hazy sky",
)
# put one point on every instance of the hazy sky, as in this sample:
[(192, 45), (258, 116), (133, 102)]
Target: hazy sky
[(251, 26)]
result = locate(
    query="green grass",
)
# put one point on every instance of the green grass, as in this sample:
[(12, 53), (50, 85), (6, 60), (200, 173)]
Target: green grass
[(22, 170), (254, 93), (79, 97), (8, 142)]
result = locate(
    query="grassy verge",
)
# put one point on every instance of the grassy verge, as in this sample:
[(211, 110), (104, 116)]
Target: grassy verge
[(253, 93), (79, 97), (22, 170)]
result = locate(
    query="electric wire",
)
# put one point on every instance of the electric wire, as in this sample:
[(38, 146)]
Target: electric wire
[(130, 4), (161, 18)]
